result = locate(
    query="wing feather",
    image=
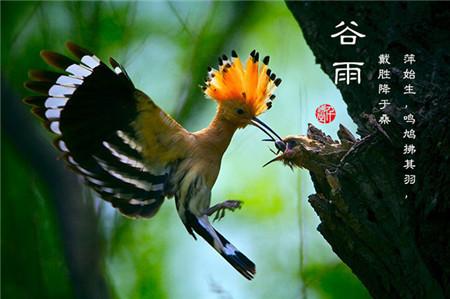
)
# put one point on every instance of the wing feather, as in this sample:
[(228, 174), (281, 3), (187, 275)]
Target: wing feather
[(114, 136)]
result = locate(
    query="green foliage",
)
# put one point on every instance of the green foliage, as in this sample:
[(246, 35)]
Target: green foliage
[(33, 263), (138, 250), (332, 281), (261, 199)]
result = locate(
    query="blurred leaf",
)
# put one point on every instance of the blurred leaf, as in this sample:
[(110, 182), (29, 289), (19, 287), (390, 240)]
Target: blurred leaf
[(334, 281), (259, 197), (137, 251), (33, 263)]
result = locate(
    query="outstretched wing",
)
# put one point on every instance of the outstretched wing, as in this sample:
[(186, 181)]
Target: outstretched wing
[(112, 134)]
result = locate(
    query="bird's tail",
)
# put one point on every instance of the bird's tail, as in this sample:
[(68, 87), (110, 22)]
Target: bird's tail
[(237, 259)]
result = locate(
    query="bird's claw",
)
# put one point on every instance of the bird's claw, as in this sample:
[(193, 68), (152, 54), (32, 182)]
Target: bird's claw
[(219, 209)]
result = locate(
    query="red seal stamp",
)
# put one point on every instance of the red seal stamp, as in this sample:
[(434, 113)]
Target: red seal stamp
[(325, 113)]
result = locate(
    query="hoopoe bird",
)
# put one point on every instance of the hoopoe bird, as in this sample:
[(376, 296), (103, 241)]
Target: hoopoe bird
[(133, 154)]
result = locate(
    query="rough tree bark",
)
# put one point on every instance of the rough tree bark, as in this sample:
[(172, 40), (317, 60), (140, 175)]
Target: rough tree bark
[(398, 247)]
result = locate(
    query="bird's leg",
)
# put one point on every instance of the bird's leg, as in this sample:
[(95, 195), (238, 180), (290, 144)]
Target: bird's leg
[(220, 208)]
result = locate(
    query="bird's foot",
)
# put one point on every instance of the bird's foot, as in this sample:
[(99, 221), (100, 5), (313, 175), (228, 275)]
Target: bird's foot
[(220, 208)]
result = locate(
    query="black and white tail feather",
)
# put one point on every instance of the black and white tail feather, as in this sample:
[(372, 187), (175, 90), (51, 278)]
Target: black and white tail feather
[(231, 254), (91, 108)]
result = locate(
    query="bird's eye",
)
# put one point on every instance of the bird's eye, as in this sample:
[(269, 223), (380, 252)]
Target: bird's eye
[(291, 144), (239, 111)]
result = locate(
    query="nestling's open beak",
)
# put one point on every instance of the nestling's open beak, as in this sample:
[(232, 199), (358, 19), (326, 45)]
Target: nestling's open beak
[(285, 157), (286, 153), (277, 158), (279, 144)]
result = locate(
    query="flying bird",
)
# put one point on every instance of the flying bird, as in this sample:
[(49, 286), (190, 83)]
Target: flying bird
[(133, 154)]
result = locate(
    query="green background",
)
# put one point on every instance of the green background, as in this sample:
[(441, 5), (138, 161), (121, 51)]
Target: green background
[(60, 241)]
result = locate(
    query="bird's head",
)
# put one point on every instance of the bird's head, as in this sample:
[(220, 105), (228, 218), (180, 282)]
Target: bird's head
[(242, 93), (292, 149)]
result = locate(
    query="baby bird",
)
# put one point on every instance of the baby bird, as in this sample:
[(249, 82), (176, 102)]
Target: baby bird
[(133, 154)]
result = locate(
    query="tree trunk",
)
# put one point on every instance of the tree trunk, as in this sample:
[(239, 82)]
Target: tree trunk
[(395, 237)]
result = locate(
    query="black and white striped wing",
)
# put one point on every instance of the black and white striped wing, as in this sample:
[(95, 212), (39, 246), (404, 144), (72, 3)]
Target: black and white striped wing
[(91, 108)]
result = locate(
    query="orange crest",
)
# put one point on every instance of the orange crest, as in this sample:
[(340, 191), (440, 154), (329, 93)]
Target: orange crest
[(253, 87)]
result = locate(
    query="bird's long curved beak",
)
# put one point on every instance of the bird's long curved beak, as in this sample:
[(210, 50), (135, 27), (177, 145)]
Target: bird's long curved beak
[(266, 129), (279, 144)]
